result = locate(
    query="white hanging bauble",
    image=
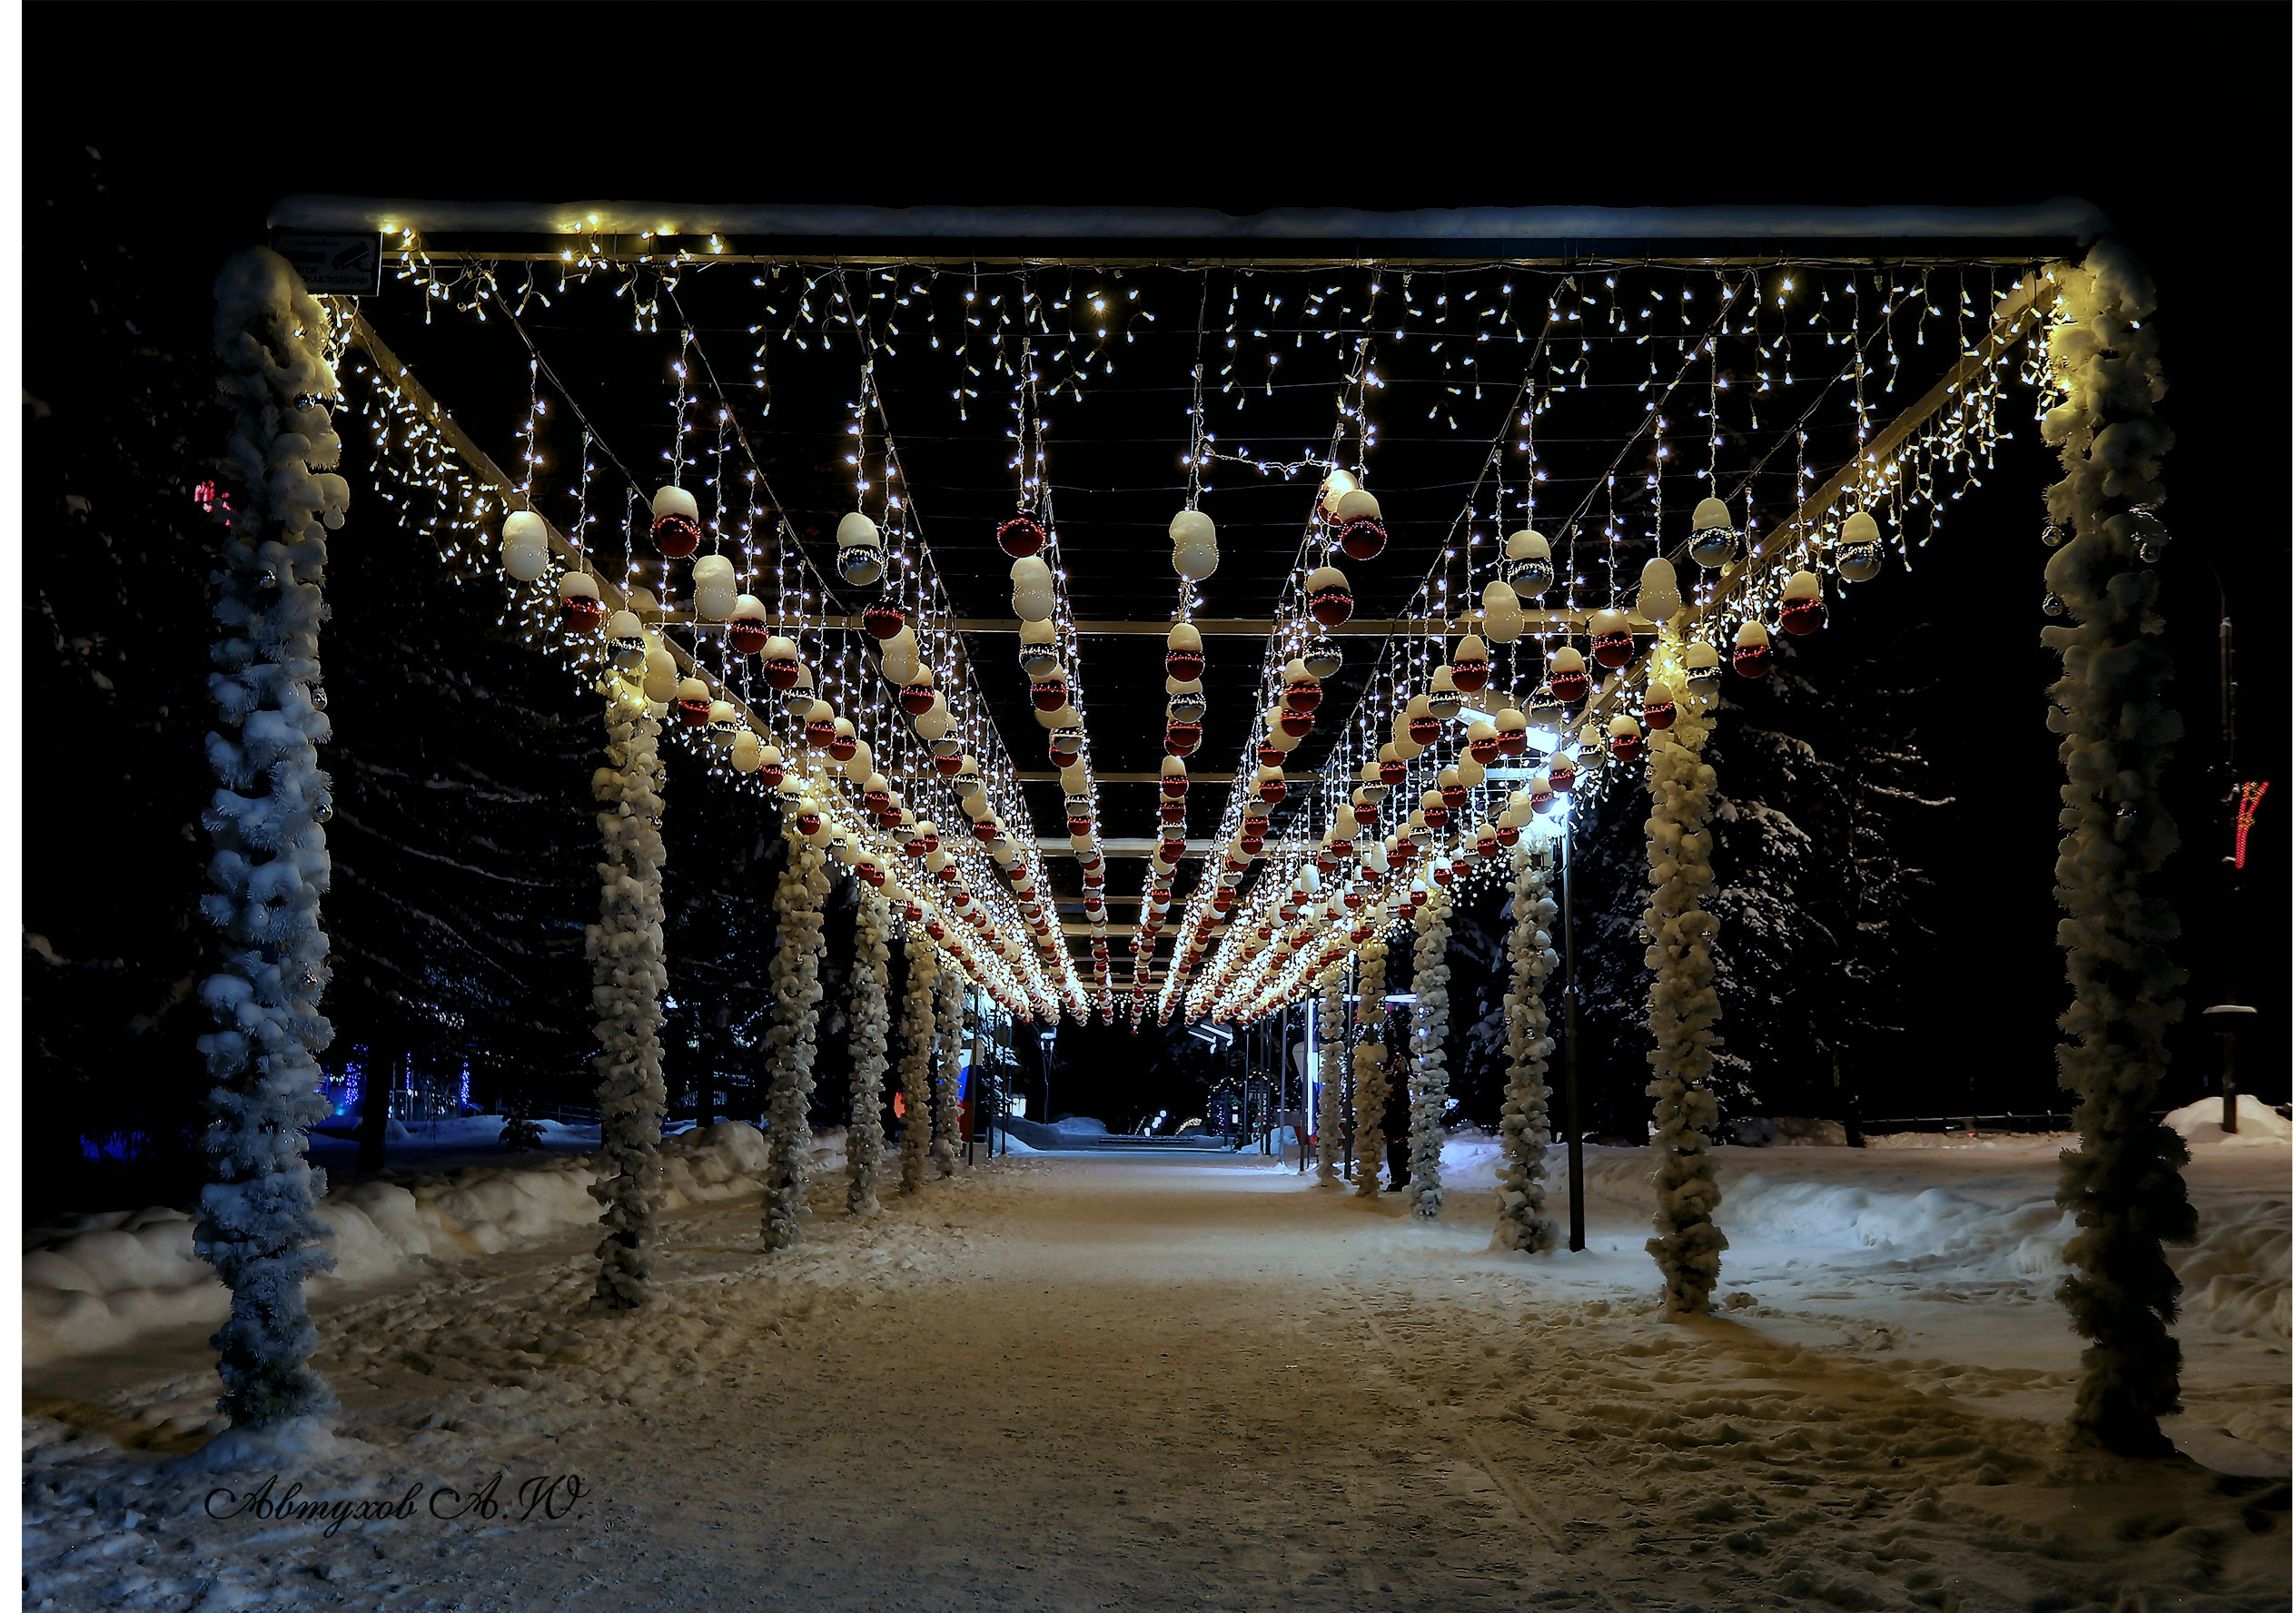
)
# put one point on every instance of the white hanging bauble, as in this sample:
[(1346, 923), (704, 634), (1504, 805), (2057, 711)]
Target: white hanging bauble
[(1659, 598), (1502, 613), (1040, 652), (1530, 566), (526, 546), (716, 591), (1195, 545), (1711, 536), (898, 655), (661, 672), (1032, 590), (625, 643)]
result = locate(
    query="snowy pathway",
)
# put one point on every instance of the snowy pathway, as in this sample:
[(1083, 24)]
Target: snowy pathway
[(1146, 1384)]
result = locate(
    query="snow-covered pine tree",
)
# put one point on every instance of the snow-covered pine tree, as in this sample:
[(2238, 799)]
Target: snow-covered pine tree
[(918, 1028), (257, 1223), (1430, 1026), (865, 1132), (1524, 1131), (629, 978), (948, 1073), (2123, 1185), (1371, 1066), (1683, 1008), (789, 1044), (1330, 1054)]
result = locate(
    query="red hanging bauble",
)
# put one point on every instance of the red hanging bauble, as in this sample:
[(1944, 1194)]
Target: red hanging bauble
[(1392, 771), (1020, 537), (1486, 749), (1080, 823), (1570, 688), (1363, 540), (1181, 738), (933, 928), (747, 635), (1173, 812), (1436, 817), (1658, 714), (1271, 755), (581, 613), (1801, 617), (1331, 605), (949, 766), (916, 698), (882, 619), (1454, 796), (1425, 728), (1272, 790), (1750, 661), (1507, 834), (1612, 650), (808, 824), (677, 536), (1297, 724), (1305, 695)]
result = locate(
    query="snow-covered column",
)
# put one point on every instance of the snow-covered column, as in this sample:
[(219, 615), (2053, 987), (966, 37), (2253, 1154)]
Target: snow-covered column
[(1371, 1066), (2125, 1185), (1430, 1079), (917, 1029), (789, 1043), (948, 1074), (257, 1226), (629, 978), (1330, 1050), (1683, 1008), (1523, 1127), (864, 1133)]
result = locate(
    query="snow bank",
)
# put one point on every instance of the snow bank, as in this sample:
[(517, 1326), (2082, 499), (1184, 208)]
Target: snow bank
[(104, 1279), (2202, 1125), (1950, 1216)]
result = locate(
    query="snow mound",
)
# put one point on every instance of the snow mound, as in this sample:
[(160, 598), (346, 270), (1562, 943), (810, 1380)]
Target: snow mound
[(100, 1280), (1995, 1218), (2202, 1125), (1082, 1124)]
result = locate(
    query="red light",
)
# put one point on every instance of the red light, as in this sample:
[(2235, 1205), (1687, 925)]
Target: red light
[(212, 498), (2251, 798)]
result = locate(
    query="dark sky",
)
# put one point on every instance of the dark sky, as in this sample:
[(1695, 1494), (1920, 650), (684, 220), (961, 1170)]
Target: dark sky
[(2173, 119)]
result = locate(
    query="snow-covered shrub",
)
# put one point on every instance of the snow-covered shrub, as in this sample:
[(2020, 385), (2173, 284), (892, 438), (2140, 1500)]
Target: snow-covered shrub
[(918, 1030), (1683, 1008), (2124, 1186), (1371, 1066), (1329, 1053), (865, 1142), (628, 979), (1524, 1130), (257, 1224), (796, 974), (1430, 1025)]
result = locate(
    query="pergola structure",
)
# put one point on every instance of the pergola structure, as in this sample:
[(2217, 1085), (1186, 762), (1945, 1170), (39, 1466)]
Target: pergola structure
[(1474, 512)]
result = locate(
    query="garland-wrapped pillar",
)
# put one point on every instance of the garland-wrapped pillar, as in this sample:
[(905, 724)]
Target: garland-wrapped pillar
[(948, 1074), (864, 1133), (918, 1028), (257, 1223), (1524, 1129), (2125, 1185), (789, 1042), (628, 978), (1330, 1049), (1371, 1066), (1430, 1079), (1683, 1008)]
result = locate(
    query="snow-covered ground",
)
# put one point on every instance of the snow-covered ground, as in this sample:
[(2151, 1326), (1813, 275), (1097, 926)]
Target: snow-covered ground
[(1067, 1381)]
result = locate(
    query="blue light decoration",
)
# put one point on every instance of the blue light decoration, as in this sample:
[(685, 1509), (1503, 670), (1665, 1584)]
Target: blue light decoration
[(465, 1093)]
